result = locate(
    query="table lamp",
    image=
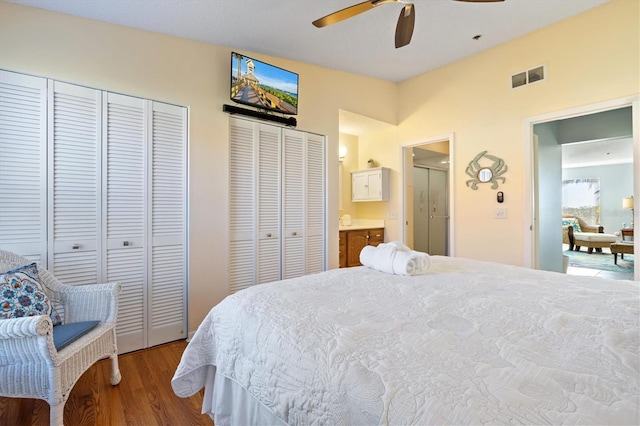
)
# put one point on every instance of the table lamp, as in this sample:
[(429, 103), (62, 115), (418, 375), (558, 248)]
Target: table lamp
[(627, 203)]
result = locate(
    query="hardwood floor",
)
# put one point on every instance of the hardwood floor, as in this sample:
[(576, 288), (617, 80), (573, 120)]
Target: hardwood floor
[(143, 397)]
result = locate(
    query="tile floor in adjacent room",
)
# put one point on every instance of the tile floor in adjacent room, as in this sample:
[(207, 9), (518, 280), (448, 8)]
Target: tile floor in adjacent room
[(572, 270), (588, 272)]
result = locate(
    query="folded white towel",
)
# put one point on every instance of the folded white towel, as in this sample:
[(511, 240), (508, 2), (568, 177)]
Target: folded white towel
[(404, 263), (423, 261), (395, 258), (397, 244), (379, 258)]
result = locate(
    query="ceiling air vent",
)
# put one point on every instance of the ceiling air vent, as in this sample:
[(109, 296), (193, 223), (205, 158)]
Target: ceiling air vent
[(530, 76)]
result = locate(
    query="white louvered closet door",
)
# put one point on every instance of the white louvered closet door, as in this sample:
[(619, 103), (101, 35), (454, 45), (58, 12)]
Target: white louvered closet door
[(242, 212), (74, 139), (124, 201), (293, 204), (315, 211), (167, 268), (94, 186), (23, 159), (268, 206), (277, 203)]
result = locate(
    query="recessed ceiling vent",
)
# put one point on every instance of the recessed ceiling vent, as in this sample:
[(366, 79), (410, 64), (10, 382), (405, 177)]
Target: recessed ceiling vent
[(530, 76)]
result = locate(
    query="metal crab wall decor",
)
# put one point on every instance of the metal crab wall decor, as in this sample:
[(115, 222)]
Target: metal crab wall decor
[(482, 174)]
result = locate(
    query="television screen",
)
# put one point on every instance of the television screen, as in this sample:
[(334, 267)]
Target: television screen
[(262, 85)]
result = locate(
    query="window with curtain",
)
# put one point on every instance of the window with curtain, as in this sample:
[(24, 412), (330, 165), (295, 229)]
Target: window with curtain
[(581, 197)]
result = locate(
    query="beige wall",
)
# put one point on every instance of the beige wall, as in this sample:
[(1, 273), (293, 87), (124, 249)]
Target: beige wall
[(350, 163), (382, 146), (472, 100), (590, 58), (196, 75)]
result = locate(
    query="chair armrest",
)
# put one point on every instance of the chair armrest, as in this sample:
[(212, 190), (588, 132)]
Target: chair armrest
[(91, 302), (27, 326), (592, 228), (30, 337)]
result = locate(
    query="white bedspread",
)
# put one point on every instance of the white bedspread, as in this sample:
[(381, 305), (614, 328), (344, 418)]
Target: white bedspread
[(467, 343)]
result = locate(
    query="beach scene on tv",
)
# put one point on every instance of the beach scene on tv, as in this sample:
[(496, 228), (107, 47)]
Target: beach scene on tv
[(263, 85)]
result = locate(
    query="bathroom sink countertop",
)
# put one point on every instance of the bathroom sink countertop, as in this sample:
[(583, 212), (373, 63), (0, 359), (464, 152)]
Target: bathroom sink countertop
[(357, 224)]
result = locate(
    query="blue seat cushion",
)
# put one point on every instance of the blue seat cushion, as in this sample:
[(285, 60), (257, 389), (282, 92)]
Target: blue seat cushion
[(64, 334)]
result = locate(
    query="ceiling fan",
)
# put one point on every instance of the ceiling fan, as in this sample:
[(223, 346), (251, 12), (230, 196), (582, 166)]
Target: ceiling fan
[(404, 28)]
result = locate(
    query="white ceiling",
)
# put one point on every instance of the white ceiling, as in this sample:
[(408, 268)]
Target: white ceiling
[(444, 29), (597, 153)]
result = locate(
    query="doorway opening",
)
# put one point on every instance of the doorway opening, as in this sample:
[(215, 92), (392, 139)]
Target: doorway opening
[(560, 145), (596, 179), (427, 195)]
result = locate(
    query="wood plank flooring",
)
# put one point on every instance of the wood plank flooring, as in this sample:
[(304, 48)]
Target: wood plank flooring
[(143, 397)]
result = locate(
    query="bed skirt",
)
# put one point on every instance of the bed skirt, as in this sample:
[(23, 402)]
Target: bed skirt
[(228, 403)]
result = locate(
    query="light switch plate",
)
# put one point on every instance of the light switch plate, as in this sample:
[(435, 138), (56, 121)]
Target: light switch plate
[(501, 213)]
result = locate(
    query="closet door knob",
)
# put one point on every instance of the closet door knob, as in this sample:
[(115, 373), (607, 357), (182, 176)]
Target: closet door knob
[(295, 233), (125, 243), (269, 235), (76, 246)]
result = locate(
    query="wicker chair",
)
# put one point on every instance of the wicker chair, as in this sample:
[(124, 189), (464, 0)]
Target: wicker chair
[(591, 236), (30, 365)]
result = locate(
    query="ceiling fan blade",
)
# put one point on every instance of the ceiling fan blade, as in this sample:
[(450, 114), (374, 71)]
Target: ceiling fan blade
[(349, 12), (345, 13), (406, 21)]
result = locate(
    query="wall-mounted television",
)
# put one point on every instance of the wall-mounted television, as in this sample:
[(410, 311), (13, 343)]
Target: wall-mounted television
[(262, 85)]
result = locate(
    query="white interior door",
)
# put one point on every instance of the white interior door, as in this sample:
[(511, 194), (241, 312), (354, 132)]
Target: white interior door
[(293, 184), (102, 180), (315, 207), (124, 200), (74, 183), (23, 165), (242, 211), (269, 202), (167, 267), (277, 203)]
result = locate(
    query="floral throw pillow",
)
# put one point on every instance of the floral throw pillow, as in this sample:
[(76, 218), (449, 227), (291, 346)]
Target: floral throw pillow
[(21, 295), (572, 222)]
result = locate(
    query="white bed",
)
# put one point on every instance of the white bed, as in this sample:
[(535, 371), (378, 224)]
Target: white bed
[(466, 343)]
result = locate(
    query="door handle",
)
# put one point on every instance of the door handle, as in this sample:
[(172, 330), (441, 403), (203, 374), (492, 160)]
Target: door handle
[(438, 217)]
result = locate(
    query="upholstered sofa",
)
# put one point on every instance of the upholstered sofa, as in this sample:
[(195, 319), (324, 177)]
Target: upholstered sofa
[(578, 233)]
